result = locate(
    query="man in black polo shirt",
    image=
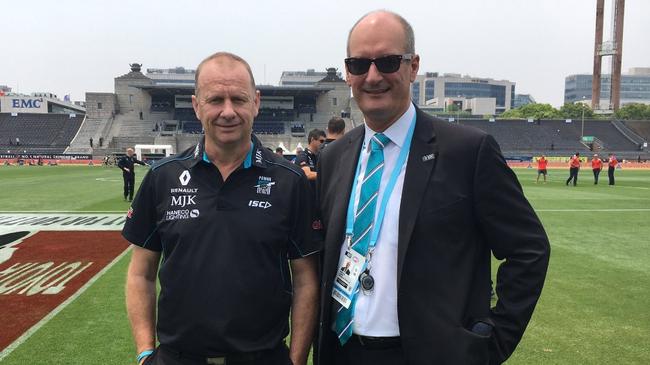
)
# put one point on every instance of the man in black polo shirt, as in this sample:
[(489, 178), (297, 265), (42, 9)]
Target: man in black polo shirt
[(335, 130), (127, 165), (308, 158), (227, 217)]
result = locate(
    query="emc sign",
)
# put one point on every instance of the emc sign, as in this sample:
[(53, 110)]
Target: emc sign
[(27, 103)]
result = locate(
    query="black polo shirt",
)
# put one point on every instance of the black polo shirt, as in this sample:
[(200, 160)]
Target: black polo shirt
[(225, 279), (307, 158)]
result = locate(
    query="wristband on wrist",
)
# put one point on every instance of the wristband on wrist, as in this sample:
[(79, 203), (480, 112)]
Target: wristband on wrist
[(142, 355)]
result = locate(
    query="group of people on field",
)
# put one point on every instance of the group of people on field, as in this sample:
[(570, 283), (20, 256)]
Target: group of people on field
[(574, 168)]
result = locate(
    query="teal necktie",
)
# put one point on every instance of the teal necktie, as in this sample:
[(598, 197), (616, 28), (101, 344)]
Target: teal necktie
[(363, 223)]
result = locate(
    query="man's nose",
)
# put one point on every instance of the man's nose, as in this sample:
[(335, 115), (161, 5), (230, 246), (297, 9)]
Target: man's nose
[(373, 75), (228, 111)]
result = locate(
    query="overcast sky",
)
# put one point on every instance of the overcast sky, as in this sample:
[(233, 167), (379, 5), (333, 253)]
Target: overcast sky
[(73, 46)]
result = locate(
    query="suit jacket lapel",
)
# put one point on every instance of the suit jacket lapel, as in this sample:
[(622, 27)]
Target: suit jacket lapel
[(342, 178), (421, 161)]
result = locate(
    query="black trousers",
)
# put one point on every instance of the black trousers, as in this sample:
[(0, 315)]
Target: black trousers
[(164, 356), (354, 353), (129, 182), (596, 173), (610, 174), (573, 175)]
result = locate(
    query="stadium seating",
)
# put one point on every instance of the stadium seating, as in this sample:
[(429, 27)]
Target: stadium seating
[(191, 127), (275, 115), (268, 127), (38, 133), (642, 128), (184, 114), (552, 135)]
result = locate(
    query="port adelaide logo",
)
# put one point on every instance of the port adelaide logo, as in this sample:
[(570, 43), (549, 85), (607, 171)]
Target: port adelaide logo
[(264, 184), (263, 187)]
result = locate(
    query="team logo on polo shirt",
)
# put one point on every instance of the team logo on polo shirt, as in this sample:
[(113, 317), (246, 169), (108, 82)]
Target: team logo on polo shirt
[(185, 178), (264, 184)]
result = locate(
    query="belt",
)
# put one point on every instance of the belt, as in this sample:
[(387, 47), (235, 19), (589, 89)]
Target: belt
[(217, 359), (377, 342)]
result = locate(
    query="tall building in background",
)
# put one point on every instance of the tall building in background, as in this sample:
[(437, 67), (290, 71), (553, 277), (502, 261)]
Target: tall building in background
[(474, 94), (634, 87), (523, 99)]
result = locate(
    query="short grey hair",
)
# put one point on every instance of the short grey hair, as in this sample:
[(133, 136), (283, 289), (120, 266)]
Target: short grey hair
[(217, 55), (409, 35)]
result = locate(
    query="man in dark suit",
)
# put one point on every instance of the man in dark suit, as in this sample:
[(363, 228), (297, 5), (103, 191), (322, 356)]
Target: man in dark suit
[(444, 200)]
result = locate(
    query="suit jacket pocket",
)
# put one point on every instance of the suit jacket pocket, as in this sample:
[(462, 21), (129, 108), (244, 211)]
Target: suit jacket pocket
[(476, 346), (447, 221), (444, 208)]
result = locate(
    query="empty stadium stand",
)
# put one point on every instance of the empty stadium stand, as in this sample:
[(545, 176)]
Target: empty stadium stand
[(191, 127), (268, 127), (38, 133), (640, 127), (554, 136)]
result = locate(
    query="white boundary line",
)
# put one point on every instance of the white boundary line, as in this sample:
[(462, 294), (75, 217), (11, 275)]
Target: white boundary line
[(595, 210), (19, 341)]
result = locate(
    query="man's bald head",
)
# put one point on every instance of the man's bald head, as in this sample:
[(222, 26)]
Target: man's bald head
[(409, 36)]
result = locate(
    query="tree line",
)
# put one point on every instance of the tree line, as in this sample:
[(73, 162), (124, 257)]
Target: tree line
[(634, 111)]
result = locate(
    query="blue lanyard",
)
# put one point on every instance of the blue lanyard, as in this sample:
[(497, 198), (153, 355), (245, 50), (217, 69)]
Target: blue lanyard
[(385, 197)]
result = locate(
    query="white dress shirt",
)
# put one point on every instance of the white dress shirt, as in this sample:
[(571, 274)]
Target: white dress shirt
[(375, 314)]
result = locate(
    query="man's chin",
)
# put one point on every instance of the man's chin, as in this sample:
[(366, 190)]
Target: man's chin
[(228, 139)]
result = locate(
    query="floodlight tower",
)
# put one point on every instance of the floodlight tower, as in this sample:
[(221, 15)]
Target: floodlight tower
[(613, 48)]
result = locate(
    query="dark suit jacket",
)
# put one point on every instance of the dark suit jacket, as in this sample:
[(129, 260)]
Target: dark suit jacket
[(460, 203)]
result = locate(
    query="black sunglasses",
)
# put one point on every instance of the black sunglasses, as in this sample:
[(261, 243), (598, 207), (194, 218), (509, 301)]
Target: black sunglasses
[(386, 64)]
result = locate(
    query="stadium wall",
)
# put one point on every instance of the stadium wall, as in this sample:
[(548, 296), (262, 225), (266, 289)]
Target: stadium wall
[(101, 105)]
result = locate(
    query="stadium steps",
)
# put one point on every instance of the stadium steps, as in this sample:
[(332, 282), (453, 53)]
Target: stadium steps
[(627, 132), (90, 128), (640, 127)]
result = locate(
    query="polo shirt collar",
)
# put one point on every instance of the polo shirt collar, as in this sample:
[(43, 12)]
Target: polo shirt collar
[(254, 157)]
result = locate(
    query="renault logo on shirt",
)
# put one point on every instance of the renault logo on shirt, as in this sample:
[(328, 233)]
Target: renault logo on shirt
[(185, 177)]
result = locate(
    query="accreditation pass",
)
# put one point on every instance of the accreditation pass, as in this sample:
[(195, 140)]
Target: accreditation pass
[(347, 277)]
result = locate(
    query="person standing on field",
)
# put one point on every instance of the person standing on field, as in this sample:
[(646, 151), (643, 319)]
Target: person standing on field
[(542, 162), (574, 168), (127, 165), (612, 162), (596, 166), (227, 222)]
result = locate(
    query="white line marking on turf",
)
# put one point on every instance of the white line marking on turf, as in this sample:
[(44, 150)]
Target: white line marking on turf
[(631, 187), (594, 210), (20, 340)]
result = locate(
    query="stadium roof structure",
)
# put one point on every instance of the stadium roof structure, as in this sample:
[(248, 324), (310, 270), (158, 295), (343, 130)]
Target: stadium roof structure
[(134, 73), (266, 90)]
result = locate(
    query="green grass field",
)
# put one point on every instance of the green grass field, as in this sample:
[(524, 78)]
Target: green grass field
[(595, 308)]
